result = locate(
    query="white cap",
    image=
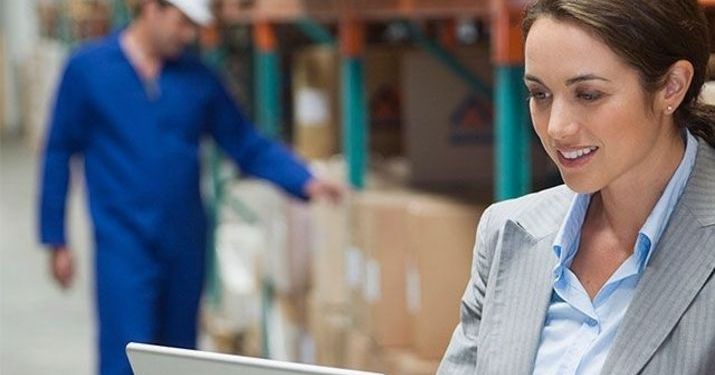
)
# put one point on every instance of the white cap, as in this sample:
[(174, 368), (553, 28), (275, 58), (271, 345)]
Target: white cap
[(198, 11)]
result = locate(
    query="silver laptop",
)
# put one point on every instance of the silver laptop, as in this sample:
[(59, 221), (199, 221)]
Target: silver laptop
[(160, 360)]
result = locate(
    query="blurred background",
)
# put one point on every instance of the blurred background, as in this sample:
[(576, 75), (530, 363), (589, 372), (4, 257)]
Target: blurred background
[(417, 105)]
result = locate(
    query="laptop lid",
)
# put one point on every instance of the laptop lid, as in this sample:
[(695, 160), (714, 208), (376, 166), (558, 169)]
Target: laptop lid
[(160, 360)]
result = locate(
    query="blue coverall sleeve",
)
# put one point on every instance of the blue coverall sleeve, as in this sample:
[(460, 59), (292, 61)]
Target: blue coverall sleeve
[(255, 155), (65, 137)]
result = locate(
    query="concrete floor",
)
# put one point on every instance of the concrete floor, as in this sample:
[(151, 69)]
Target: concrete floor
[(43, 330)]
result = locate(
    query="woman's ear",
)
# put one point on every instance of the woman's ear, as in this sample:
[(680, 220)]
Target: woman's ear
[(677, 83)]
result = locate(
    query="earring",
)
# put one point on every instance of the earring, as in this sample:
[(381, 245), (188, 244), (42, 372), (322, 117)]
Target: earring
[(670, 108)]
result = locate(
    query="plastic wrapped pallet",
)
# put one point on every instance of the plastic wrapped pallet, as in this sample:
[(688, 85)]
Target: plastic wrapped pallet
[(287, 328), (263, 205), (238, 252)]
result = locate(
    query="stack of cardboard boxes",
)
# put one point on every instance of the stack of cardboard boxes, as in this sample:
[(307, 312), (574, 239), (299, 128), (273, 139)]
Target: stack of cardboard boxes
[(417, 253), (375, 282)]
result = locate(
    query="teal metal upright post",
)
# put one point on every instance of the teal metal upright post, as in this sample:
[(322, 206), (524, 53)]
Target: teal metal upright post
[(268, 85), (512, 134), (355, 116)]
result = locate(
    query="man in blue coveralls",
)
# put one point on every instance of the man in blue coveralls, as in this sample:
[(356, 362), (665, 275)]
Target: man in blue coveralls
[(135, 106)]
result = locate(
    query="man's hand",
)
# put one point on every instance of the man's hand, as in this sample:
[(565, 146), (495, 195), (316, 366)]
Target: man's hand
[(321, 189), (62, 266)]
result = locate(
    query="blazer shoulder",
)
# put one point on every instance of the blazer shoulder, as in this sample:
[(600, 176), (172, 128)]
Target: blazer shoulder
[(540, 213)]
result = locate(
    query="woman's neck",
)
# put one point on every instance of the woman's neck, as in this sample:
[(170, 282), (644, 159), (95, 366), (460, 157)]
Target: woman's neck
[(624, 206)]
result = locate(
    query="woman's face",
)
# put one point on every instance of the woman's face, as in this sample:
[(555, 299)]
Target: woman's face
[(589, 109)]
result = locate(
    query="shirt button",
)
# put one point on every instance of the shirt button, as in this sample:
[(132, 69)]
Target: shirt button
[(592, 322)]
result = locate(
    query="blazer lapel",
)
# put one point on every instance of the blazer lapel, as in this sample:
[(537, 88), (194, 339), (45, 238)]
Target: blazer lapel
[(521, 297), (683, 261)]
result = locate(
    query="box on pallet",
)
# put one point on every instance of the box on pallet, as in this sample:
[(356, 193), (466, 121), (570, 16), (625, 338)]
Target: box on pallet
[(449, 126), (330, 240), (402, 362), (316, 131), (380, 235), (328, 326), (441, 239), (384, 100), (362, 352)]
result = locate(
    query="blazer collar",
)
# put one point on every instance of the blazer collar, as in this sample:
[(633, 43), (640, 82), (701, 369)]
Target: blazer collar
[(682, 264), (522, 290)]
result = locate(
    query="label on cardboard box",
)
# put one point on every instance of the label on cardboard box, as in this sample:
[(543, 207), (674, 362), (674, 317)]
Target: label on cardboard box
[(354, 264), (371, 292), (414, 298), (312, 107)]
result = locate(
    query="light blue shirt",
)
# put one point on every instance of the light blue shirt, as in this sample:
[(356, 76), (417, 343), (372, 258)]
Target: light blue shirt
[(579, 332)]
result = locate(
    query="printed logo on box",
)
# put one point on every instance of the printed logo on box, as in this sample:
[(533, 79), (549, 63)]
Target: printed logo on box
[(472, 121)]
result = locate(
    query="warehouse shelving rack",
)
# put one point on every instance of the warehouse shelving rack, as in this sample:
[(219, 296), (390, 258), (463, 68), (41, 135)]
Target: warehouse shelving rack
[(512, 170), (351, 17)]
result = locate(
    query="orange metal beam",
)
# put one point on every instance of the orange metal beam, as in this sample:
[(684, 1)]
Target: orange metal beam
[(507, 39), (264, 36), (235, 11), (352, 37)]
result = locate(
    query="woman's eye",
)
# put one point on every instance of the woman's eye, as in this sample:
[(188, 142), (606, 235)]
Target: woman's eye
[(589, 96), (537, 95)]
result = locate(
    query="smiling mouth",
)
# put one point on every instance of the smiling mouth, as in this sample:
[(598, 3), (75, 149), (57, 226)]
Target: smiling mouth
[(577, 154), (576, 157)]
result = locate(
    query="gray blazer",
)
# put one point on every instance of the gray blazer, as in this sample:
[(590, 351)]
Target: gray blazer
[(669, 327)]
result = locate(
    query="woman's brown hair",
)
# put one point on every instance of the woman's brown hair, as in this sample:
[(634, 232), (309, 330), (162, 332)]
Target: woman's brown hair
[(650, 36)]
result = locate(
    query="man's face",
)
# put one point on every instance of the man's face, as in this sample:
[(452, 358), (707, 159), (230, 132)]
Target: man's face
[(171, 30)]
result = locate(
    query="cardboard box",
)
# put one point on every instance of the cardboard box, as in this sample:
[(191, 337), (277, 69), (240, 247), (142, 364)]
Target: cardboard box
[(363, 353), (449, 128), (297, 277), (330, 241), (328, 326), (400, 362), (380, 232), (441, 239), (384, 100), (316, 102)]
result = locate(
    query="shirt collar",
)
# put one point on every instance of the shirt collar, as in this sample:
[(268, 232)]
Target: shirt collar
[(658, 219), (567, 239)]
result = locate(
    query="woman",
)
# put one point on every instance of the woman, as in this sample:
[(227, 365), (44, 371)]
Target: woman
[(613, 272)]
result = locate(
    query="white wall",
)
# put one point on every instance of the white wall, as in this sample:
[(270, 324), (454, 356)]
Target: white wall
[(19, 27)]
